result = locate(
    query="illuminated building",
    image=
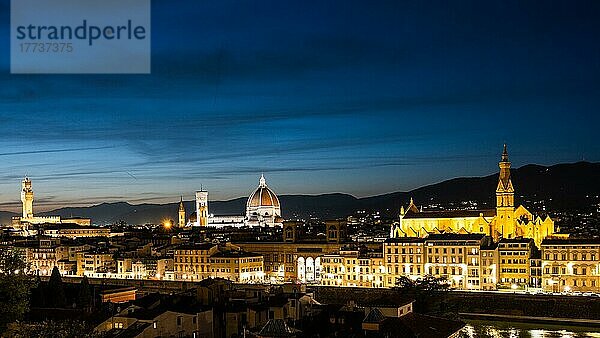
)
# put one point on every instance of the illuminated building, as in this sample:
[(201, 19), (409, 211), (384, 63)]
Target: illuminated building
[(28, 218), (95, 263), (237, 266), (404, 257), (351, 267), (191, 261), (502, 222), (200, 261), (263, 208), (514, 258), (455, 257), (74, 231), (43, 256), (27, 198), (142, 268), (181, 213), (201, 208), (489, 266), (298, 258), (571, 265)]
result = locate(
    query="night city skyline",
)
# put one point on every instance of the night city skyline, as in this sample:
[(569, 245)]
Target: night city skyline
[(326, 97), (299, 169)]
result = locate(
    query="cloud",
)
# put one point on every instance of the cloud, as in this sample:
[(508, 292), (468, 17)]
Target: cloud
[(50, 151)]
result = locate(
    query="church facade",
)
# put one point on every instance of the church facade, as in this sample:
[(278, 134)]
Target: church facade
[(505, 221)]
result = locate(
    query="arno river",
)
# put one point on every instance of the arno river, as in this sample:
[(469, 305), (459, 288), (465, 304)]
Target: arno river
[(495, 329)]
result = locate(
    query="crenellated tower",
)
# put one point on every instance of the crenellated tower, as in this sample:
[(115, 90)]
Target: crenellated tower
[(27, 198)]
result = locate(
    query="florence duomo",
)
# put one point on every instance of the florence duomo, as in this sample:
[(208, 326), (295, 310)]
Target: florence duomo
[(505, 221), (262, 210)]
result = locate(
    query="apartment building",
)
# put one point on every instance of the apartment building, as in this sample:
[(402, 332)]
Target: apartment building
[(571, 265)]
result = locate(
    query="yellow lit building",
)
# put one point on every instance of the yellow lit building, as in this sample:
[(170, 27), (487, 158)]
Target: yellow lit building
[(505, 221), (455, 257), (333, 270), (200, 261), (74, 231), (571, 265), (404, 257), (95, 263), (44, 255), (296, 258), (192, 261), (353, 268), (490, 266), (514, 259), (237, 266)]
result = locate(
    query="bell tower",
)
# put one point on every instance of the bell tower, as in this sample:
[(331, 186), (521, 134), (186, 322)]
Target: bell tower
[(201, 208), (505, 199), (27, 198), (181, 213)]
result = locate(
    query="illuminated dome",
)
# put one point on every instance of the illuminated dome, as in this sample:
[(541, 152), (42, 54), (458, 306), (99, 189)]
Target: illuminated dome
[(263, 206), (263, 196)]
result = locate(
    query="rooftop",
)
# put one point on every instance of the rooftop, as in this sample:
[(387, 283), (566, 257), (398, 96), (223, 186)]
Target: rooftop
[(558, 241), (450, 214), (235, 254), (455, 237), (196, 246)]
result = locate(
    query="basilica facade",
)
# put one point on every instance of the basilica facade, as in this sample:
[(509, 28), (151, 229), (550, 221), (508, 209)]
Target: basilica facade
[(505, 221)]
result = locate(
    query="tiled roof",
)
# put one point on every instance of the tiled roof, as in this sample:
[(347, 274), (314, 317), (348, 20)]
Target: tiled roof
[(374, 316), (450, 214), (277, 328), (454, 237), (559, 241)]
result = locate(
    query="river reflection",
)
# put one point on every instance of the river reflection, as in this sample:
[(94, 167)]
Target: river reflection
[(492, 329)]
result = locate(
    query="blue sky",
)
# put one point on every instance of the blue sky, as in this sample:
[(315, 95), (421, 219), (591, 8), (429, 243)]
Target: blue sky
[(321, 96)]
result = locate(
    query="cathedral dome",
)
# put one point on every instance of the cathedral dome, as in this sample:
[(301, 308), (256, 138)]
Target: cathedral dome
[(263, 208), (263, 196)]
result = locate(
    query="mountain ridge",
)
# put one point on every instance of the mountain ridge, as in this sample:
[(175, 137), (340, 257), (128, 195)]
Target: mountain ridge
[(563, 186)]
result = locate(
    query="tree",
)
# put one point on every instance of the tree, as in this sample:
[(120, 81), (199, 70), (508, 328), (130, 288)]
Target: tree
[(404, 283), (431, 283), (15, 285), (56, 291), (426, 291), (426, 283), (65, 328), (84, 296)]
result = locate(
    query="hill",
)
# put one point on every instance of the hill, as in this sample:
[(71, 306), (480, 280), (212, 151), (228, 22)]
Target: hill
[(562, 186)]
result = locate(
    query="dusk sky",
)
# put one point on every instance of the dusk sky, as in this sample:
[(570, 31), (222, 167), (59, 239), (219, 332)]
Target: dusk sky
[(361, 97)]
